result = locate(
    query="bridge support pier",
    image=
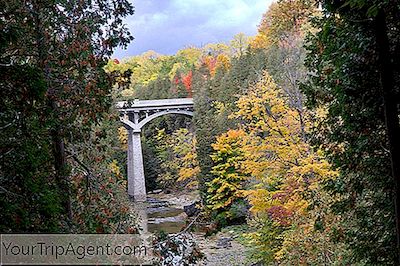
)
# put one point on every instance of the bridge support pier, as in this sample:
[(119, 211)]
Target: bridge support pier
[(135, 115), (136, 180)]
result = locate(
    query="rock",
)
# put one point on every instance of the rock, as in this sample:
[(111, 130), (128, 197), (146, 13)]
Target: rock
[(210, 229), (192, 209), (224, 242), (257, 264), (157, 191), (180, 249)]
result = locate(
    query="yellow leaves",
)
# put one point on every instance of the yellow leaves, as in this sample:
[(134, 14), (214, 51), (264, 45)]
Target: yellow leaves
[(226, 140), (227, 185), (297, 204), (220, 108), (223, 62), (174, 70), (123, 137), (313, 166), (283, 166), (276, 154), (271, 148), (188, 173), (181, 148), (259, 199), (227, 144), (321, 113), (191, 54), (160, 134), (114, 168), (260, 41), (262, 103), (266, 112)]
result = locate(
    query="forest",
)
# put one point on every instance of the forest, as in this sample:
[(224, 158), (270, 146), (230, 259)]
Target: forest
[(295, 138)]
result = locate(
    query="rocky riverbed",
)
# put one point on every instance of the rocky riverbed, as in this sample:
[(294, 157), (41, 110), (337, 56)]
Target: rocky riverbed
[(221, 249), (165, 212)]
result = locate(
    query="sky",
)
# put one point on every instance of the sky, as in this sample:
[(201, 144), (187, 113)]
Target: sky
[(166, 26)]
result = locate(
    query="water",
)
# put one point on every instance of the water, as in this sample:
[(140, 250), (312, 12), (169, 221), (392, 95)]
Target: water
[(157, 215)]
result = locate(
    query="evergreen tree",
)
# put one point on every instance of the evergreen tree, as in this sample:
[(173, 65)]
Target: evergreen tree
[(51, 72), (350, 80), (205, 128)]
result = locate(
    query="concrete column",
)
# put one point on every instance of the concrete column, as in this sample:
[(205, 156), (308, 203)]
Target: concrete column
[(131, 179), (136, 180), (139, 187)]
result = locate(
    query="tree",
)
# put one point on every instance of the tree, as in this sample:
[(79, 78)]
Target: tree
[(286, 174), (204, 125), (178, 162), (187, 82), (353, 79), (227, 186), (98, 181), (239, 44), (52, 59), (285, 17), (216, 87), (191, 54)]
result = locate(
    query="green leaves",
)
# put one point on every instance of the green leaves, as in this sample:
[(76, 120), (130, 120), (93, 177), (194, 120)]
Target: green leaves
[(346, 81), (54, 88), (178, 159)]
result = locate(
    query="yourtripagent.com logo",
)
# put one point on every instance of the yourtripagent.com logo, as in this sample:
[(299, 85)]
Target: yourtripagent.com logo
[(73, 249)]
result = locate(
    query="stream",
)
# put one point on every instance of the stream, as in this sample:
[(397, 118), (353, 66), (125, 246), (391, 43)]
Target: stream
[(164, 212), (161, 213), (162, 217)]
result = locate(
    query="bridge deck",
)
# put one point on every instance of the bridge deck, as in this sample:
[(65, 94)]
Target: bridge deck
[(155, 104)]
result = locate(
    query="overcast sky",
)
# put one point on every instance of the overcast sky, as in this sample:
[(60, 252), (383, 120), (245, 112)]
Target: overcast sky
[(166, 26)]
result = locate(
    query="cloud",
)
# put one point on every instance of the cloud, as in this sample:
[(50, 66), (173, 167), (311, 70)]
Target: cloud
[(169, 25)]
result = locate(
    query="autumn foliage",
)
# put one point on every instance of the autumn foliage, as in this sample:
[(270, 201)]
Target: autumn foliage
[(187, 82)]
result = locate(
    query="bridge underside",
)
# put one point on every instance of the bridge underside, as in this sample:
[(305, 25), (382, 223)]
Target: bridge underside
[(135, 115)]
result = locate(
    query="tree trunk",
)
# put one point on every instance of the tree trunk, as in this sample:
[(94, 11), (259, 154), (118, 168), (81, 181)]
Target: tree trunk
[(390, 108), (60, 164)]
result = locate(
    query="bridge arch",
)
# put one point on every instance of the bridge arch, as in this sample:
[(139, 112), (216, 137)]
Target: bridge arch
[(161, 113), (135, 115)]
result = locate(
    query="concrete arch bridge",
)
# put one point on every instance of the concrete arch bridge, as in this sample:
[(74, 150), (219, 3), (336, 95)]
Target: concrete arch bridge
[(135, 115)]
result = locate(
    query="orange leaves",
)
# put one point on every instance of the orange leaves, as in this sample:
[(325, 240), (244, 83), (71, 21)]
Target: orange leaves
[(210, 62), (221, 61), (227, 142), (187, 82)]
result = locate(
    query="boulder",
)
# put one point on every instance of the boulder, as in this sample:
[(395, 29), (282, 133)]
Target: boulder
[(224, 242), (157, 191), (192, 209)]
